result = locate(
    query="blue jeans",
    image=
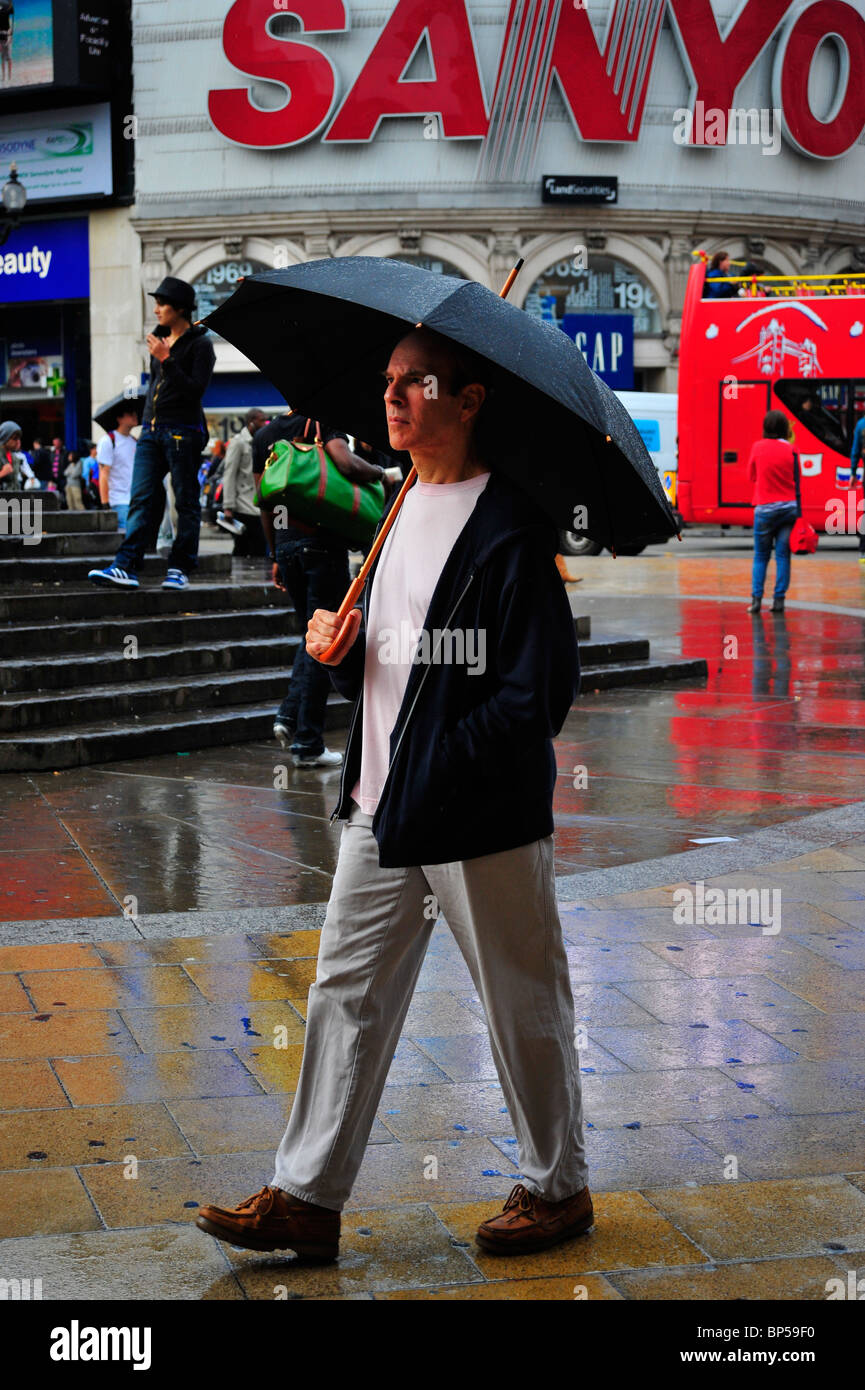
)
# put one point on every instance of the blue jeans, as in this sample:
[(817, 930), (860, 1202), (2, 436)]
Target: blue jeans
[(316, 576), (772, 524), (174, 449), (122, 510)]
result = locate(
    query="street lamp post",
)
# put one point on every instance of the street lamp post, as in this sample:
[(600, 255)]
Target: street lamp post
[(14, 200)]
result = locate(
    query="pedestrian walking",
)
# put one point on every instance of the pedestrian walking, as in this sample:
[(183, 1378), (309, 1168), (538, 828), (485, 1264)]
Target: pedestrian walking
[(465, 824), (239, 514), (41, 457), (857, 478), (10, 456), (73, 474), (773, 469), (59, 457), (7, 33), (172, 438), (115, 456), (311, 565)]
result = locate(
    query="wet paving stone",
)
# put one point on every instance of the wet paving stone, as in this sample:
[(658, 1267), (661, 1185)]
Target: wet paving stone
[(173, 1189), (787, 1279), (822, 1038), (60, 956), (751, 997), (592, 1286), (62, 1033), (157, 1076), (111, 989), (591, 961), (663, 1097), (44, 1203), (44, 1139), (679, 1045), (165, 1262), (784, 1146), (192, 950), (298, 945), (446, 1111), (745, 1221), (13, 996), (807, 1088), (213, 1026), (257, 980), (26, 1085)]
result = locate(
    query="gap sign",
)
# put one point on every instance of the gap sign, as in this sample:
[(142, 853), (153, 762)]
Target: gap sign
[(607, 343)]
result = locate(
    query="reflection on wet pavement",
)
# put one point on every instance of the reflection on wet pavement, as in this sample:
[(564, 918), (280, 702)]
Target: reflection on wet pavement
[(775, 732), (143, 1077)]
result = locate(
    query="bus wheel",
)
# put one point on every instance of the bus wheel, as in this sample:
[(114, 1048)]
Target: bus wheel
[(573, 543)]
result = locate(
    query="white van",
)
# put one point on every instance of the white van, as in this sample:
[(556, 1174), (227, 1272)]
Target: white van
[(655, 415)]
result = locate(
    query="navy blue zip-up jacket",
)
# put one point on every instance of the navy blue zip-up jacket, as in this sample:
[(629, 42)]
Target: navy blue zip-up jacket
[(472, 768)]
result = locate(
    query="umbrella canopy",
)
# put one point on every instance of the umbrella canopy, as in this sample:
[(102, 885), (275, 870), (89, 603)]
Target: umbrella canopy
[(107, 414), (323, 331)]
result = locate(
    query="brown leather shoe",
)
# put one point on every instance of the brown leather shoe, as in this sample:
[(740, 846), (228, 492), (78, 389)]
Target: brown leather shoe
[(528, 1222), (275, 1220)]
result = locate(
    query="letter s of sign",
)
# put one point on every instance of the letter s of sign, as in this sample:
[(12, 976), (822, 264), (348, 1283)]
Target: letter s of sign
[(308, 74)]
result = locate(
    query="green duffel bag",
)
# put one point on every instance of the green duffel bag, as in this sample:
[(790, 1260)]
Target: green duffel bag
[(301, 477)]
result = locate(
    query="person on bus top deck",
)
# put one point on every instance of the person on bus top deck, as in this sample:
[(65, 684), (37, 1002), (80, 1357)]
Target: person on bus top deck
[(719, 269), (773, 468)]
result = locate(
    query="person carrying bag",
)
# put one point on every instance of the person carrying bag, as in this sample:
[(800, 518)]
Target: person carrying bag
[(773, 468)]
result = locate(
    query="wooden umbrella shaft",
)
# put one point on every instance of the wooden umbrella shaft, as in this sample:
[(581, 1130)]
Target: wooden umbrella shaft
[(357, 584)]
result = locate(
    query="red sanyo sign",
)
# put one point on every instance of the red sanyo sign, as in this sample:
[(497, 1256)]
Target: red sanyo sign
[(603, 106)]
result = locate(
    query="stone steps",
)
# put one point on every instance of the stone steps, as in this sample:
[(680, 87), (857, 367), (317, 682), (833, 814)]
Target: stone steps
[(208, 665)]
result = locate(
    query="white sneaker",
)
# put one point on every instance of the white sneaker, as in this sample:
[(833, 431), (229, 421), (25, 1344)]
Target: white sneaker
[(236, 527), (324, 759), (175, 579)]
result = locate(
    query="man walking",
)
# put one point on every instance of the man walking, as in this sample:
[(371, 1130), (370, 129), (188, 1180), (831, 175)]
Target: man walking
[(446, 791), (240, 513), (172, 438), (115, 455)]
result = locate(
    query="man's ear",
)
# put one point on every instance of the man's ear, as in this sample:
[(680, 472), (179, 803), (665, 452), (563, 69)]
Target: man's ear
[(473, 398)]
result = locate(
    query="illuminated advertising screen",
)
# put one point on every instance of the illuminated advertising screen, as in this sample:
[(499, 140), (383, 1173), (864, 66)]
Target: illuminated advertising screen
[(26, 43)]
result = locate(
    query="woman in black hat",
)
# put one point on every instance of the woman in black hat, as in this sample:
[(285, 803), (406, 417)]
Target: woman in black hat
[(173, 435)]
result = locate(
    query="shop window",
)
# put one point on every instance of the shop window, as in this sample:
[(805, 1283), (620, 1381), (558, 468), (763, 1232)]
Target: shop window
[(605, 285), (830, 409)]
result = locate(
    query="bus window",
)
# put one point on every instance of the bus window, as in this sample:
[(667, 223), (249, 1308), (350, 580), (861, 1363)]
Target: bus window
[(824, 407)]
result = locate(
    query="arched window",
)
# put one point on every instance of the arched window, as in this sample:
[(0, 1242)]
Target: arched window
[(602, 285), (220, 281), (435, 263)]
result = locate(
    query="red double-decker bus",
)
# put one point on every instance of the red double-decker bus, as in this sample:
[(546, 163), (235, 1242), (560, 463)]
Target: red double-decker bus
[(796, 345)]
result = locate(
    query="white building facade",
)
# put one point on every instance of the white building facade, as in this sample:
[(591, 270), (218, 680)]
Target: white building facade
[(270, 132)]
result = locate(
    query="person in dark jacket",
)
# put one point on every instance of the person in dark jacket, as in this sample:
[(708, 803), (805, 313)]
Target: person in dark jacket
[(462, 674), (173, 436), (310, 564)]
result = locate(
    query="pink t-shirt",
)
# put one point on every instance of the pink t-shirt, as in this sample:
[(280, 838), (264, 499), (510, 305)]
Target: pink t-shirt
[(409, 567)]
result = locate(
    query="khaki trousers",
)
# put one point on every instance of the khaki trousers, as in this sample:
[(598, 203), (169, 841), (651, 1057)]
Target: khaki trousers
[(502, 911)]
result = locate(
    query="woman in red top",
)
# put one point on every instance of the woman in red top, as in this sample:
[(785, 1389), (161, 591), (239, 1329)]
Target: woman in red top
[(773, 468)]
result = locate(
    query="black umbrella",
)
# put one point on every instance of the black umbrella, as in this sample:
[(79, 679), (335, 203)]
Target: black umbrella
[(321, 332), (107, 414)]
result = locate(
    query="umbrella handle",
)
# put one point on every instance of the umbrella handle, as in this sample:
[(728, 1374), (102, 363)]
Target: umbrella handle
[(347, 610)]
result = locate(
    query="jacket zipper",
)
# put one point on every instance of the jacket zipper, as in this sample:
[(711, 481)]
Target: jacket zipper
[(420, 687), (408, 716), (354, 715)]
